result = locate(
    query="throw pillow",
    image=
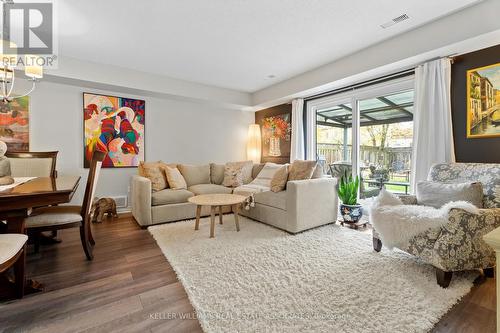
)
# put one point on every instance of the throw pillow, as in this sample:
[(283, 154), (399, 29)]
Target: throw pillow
[(278, 182), (154, 172), (266, 174), (237, 173), (436, 194), (300, 170), (175, 179)]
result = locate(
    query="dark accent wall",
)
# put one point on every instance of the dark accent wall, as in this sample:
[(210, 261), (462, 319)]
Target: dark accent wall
[(484, 150), (274, 111)]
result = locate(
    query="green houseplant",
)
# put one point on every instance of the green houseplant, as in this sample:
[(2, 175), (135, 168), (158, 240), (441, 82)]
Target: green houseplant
[(348, 188)]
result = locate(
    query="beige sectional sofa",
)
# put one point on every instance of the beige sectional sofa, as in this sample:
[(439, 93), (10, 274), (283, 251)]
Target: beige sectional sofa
[(303, 205)]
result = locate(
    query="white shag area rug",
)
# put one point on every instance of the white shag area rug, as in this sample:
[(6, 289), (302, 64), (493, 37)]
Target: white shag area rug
[(327, 279)]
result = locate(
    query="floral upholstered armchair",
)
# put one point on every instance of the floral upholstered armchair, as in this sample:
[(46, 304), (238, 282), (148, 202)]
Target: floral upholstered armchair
[(459, 244)]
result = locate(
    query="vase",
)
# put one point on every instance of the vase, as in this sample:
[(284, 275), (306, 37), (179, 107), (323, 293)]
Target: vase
[(274, 146), (351, 213)]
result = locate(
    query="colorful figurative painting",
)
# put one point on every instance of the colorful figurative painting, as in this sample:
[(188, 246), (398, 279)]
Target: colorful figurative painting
[(14, 124), (114, 125), (276, 132), (483, 102)]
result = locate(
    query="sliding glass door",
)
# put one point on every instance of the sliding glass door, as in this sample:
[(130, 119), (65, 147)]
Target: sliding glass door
[(366, 132)]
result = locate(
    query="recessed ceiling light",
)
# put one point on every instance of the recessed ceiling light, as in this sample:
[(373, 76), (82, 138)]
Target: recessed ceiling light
[(271, 76)]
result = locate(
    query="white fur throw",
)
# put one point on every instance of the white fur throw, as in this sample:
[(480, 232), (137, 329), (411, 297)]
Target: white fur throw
[(397, 223)]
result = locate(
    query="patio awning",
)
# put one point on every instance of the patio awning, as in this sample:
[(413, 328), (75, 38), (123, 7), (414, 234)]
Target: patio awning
[(388, 109)]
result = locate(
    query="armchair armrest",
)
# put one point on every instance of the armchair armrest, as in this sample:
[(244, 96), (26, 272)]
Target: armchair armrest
[(461, 220), (460, 244), (311, 203), (141, 200)]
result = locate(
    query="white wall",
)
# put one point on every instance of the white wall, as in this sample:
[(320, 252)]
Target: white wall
[(176, 131)]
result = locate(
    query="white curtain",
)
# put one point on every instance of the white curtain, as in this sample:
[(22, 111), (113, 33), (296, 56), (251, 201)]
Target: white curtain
[(297, 148), (433, 132)]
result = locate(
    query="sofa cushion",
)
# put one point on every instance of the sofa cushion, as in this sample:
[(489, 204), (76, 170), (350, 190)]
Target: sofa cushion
[(216, 173), (210, 189), (268, 198), (249, 189), (170, 196), (195, 174), (436, 194)]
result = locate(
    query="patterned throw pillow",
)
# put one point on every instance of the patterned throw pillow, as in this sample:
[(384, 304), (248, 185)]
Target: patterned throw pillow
[(278, 182), (237, 173), (300, 170), (175, 179), (154, 172)]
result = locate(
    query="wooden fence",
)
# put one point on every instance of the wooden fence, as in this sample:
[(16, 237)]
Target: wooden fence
[(394, 158)]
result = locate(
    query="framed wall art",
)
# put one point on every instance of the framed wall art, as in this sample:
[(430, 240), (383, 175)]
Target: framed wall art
[(483, 102), (14, 124), (115, 125)]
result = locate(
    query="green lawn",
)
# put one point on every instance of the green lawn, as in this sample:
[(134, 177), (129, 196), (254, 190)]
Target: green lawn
[(394, 188)]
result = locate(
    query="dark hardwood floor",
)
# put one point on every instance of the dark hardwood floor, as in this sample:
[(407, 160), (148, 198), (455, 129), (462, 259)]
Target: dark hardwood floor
[(130, 287)]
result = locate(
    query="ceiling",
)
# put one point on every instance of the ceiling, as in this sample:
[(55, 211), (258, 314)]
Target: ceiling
[(233, 44)]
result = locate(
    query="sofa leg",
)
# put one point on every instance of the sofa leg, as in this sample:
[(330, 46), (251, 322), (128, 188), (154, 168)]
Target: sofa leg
[(489, 272), (377, 244), (443, 278)]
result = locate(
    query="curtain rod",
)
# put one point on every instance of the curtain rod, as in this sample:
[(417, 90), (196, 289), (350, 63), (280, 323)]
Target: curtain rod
[(362, 84), (396, 75)]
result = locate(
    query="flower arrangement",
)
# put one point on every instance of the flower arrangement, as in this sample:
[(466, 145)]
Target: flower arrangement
[(276, 126)]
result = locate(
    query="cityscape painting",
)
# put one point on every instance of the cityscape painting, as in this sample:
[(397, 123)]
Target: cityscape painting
[(483, 102)]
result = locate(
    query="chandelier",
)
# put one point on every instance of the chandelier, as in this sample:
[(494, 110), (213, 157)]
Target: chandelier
[(8, 63)]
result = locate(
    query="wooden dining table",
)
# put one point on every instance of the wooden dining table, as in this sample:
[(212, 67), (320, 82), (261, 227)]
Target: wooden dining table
[(17, 203)]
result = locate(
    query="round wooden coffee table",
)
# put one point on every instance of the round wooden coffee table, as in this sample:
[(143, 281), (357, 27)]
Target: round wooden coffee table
[(214, 201)]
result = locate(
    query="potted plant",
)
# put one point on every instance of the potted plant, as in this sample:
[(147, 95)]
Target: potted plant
[(350, 209)]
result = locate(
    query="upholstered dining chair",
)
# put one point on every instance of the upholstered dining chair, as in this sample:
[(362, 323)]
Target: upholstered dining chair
[(33, 164), (13, 254), (63, 217)]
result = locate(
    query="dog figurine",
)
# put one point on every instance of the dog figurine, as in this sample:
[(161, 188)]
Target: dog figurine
[(103, 206)]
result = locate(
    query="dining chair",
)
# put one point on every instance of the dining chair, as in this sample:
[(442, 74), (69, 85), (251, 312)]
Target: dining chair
[(32, 164), (13, 254), (63, 217)]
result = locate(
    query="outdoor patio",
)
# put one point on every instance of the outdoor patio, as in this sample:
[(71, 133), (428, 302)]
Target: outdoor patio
[(385, 150)]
